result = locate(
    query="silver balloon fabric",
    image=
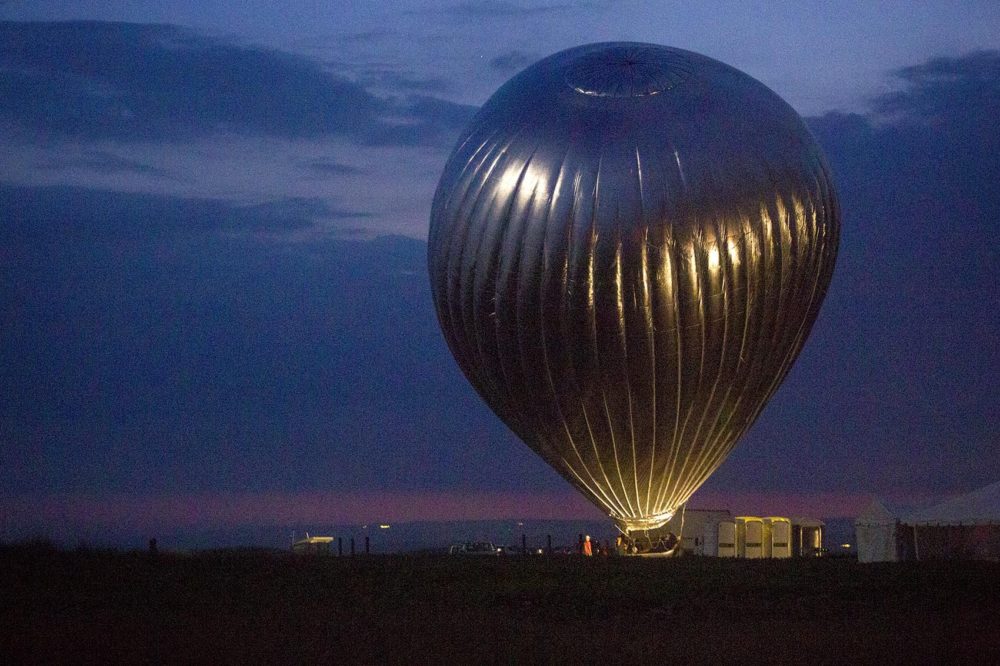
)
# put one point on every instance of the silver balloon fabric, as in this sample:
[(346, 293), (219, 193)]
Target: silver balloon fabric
[(628, 248)]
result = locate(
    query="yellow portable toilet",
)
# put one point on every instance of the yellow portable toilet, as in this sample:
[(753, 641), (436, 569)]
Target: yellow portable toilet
[(777, 537), (726, 545), (749, 537)]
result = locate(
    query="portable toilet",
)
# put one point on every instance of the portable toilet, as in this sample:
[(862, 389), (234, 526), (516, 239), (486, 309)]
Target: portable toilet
[(749, 537), (725, 539), (807, 537), (777, 537)]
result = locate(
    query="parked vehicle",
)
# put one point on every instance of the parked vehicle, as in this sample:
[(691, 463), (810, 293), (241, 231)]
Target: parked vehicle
[(474, 548)]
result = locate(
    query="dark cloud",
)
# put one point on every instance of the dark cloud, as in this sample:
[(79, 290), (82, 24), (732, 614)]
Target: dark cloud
[(512, 61), (426, 120), (332, 168), (403, 81), (291, 212), (138, 357), (947, 93), (149, 81), (154, 82), (105, 163), (63, 212)]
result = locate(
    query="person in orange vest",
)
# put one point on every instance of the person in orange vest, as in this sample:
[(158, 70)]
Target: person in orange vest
[(587, 550)]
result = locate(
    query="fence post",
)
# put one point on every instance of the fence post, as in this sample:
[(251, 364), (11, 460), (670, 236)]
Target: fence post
[(340, 546), (367, 547), (548, 544)]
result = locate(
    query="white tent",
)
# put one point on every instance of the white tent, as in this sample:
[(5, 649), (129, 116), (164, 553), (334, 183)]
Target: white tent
[(877, 532), (964, 527)]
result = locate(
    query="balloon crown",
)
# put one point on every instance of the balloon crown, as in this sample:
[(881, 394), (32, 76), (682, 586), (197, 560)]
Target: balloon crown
[(628, 70)]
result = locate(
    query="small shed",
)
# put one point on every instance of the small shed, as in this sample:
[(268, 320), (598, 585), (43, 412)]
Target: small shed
[(807, 537)]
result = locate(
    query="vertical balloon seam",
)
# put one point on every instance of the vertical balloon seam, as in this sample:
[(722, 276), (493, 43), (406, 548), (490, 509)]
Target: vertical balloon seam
[(443, 192), (619, 508), (716, 447), (572, 247), (614, 501), (671, 272), (721, 446), (470, 270), (596, 304), (592, 304), (457, 258), (668, 267), (675, 250), (506, 321), (685, 493), (700, 270), (659, 291), (647, 309), (696, 296), (623, 343), (520, 250), (797, 341), (696, 449), (596, 495), (792, 285), (791, 350)]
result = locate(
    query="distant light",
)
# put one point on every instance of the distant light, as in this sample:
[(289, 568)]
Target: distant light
[(845, 545), (383, 526)]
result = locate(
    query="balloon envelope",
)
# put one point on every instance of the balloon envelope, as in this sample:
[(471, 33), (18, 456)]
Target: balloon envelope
[(628, 247)]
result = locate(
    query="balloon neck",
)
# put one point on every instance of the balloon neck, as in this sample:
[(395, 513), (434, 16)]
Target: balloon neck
[(643, 523)]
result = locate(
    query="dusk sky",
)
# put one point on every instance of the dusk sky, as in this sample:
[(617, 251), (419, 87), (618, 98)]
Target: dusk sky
[(214, 302)]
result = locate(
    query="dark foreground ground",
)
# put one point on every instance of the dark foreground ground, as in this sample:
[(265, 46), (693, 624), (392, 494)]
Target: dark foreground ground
[(101, 607)]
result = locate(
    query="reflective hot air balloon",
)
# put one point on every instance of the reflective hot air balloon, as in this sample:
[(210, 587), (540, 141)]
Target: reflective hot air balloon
[(628, 248)]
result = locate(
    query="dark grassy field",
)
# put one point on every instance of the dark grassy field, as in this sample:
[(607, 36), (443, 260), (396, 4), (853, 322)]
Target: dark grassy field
[(101, 607)]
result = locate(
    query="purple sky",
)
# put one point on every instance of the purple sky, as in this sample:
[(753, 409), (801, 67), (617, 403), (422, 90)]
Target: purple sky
[(197, 309)]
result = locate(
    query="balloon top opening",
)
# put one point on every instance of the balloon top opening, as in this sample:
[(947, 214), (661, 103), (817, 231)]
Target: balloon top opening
[(632, 70)]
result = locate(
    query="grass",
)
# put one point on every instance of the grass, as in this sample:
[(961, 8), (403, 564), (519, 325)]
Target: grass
[(228, 607)]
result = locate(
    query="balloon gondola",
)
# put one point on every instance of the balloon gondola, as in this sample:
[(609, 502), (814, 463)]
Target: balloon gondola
[(628, 248)]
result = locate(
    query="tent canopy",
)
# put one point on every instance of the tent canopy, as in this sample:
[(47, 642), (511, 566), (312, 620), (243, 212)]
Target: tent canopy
[(879, 512), (980, 507)]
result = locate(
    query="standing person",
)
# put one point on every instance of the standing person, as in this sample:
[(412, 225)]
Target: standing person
[(587, 548)]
